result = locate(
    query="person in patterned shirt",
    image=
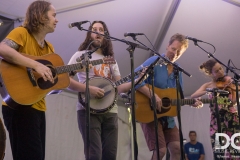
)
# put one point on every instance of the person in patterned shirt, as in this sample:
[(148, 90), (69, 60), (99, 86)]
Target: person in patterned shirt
[(228, 115), (103, 127)]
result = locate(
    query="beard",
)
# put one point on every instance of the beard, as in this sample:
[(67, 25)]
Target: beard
[(98, 43)]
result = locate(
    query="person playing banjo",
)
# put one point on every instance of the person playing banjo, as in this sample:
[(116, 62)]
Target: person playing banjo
[(103, 93)]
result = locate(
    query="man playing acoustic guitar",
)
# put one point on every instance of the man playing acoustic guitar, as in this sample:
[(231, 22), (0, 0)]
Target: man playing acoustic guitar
[(164, 78)]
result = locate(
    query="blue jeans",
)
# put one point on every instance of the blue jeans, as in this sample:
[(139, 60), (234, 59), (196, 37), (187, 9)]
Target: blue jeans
[(103, 135)]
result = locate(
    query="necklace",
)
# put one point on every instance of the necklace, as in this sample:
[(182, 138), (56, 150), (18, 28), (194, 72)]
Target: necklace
[(41, 44)]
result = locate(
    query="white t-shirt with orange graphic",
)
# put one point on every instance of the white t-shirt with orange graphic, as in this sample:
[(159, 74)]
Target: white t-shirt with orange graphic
[(104, 70)]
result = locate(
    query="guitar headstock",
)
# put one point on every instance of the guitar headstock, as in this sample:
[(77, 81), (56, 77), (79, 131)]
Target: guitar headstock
[(109, 60), (224, 100)]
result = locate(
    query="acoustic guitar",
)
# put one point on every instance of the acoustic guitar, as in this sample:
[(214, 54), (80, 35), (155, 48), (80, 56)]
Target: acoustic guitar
[(20, 85), (145, 113)]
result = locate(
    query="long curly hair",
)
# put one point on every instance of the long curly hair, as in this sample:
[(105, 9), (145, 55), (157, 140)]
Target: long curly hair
[(207, 66), (36, 15), (107, 48)]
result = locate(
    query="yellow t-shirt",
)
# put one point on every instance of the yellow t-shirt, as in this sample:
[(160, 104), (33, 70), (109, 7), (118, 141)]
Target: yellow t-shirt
[(28, 45)]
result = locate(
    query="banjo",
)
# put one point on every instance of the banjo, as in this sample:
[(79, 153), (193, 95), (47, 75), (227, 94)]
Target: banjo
[(107, 102)]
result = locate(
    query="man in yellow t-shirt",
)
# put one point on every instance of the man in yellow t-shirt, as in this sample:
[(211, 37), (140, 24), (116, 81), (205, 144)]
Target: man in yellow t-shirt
[(27, 125)]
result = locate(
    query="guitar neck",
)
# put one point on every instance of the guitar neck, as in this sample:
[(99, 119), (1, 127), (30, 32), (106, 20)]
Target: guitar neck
[(77, 66), (190, 101), (127, 78)]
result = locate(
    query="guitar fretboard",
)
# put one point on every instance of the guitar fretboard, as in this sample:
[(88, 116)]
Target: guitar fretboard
[(77, 66), (220, 100), (190, 101)]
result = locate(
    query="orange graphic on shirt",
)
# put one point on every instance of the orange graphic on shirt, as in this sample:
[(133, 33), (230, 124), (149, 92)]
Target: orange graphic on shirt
[(102, 70)]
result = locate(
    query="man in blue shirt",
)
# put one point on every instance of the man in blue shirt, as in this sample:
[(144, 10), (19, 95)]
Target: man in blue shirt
[(168, 135), (194, 150)]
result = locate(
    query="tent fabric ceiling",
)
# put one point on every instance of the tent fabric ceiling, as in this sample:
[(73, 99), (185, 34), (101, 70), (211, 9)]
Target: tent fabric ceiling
[(212, 21)]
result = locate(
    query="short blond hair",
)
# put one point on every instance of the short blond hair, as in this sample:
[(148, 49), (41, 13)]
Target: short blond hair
[(179, 37)]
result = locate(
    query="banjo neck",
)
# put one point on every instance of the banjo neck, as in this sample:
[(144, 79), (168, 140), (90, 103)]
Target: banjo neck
[(128, 77)]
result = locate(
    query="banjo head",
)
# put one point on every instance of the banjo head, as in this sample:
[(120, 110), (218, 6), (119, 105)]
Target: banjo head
[(107, 102)]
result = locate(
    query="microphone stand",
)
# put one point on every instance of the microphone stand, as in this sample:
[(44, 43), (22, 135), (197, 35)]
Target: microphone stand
[(236, 80), (153, 106), (85, 61), (153, 98), (130, 49), (176, 74), (176, 70), (87, 106), (150, 72)]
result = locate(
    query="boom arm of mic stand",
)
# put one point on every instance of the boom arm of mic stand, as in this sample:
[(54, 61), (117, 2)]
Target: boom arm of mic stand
[(150, 71), (211, 55), (149, 68), (174, 64), (236, 76), (166, 60), (132, 44)]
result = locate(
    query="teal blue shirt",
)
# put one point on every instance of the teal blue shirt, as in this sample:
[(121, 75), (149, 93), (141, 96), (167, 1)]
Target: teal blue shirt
[(161, 80)]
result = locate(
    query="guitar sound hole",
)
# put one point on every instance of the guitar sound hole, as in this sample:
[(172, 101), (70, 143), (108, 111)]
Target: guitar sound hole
[(53, 71), (47, 84), (166, 102)]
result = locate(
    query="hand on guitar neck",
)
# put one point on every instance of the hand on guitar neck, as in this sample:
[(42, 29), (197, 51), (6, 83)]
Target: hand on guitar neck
[(198, 103), (144, 111)]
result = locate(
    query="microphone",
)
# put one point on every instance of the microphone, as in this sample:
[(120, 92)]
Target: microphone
[(217, 90), (132, 34), (92, 51), (193, 39), (75, 24), (79, 59), (226, 73)]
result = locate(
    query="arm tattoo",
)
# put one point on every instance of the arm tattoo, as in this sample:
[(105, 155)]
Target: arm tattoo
[(11, 43)]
